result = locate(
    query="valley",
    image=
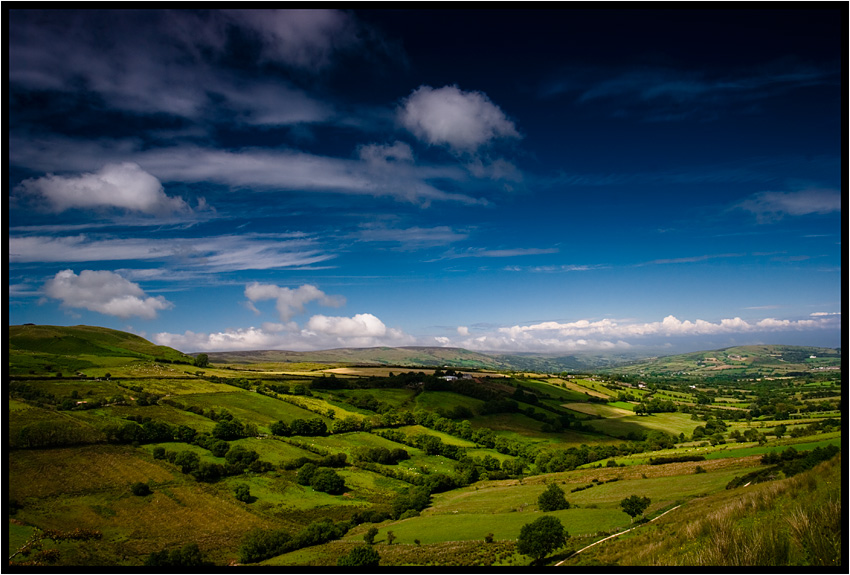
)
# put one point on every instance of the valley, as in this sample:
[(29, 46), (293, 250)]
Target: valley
[(123, 453)]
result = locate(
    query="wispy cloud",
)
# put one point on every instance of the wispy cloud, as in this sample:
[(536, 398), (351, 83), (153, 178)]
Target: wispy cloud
[(495, 253), (690, 259), (657, 93), (553, 268), (165, 61), (412, 238), (773, 206), (210, 254), (255, 169)]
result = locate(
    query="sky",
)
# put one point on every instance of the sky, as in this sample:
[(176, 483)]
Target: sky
[(600, 180)]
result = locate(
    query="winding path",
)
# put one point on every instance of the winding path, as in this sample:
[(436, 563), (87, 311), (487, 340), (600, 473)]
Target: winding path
[(615, 535)]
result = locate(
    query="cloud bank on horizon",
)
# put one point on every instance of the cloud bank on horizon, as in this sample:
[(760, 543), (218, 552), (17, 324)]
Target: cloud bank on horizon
[(212, 179)]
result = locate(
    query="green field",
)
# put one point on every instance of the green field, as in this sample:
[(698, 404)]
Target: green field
[(674, 423), (73, 465)]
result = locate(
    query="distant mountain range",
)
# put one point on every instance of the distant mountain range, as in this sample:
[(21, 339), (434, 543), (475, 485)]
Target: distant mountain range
[(90, 341)]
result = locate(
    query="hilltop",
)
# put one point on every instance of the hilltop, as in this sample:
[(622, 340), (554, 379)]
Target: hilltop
[(45, 346), (378, 356), (134, 454), (740, 362), (39, 348)]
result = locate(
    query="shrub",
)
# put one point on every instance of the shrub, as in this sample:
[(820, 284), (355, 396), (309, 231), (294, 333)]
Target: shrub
[(369, 537), (141, 489), (327, 481), (243, 493), (552, 499), (540, 537), (187, 556), (363, 556)]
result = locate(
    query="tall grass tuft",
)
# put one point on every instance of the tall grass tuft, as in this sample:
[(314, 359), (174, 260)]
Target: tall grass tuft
[(818, 532)]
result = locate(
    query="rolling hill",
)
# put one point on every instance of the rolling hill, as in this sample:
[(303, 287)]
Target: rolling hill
[(754, 360), (38, 347)]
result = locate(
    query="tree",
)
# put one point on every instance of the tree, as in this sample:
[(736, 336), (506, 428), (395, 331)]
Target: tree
[(363, 556), (141, 489), (634, 505), (540, 537), (390, 537), (552, 499), (38, 556), (187, 460), (327, 481), (187, 556), (305, 474), (202, 360), (369, 537), (780, 430), (243, 493)]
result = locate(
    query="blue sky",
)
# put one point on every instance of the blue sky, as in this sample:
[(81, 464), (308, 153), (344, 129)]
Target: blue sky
[(555, 181)]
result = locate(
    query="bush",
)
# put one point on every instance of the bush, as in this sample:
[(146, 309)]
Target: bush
[(187, 556), (369, 537), (363, 556), (540, 537), (305, 474), (552, 499), (243, 493), (141, 489), (327, 481), (260, 544)]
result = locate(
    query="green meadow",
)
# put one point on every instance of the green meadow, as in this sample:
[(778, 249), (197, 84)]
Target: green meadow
[(75, 460)]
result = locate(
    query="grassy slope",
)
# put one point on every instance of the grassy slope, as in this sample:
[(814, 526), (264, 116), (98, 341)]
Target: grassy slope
[(766, 359), (88, 486), (39, 349), (794, 521)]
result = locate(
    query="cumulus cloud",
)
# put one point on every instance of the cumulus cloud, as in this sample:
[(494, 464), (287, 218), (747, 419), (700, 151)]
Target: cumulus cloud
[(463, 330), (320, 332), (775, 205), (290, 301), (608, 334), (448, 116), (104, 292), (125, 185)]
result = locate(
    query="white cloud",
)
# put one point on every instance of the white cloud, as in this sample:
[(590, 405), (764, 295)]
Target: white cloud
[(463, 330), (321, 332), (607, 334), (125, 185), (379, 153), (304, 38), (774, 205), (410, 238), (380, 171), (503, 253), (448, 116), (165, 60), (212, 254), (104, 292), (361, 325), (290, 301)]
